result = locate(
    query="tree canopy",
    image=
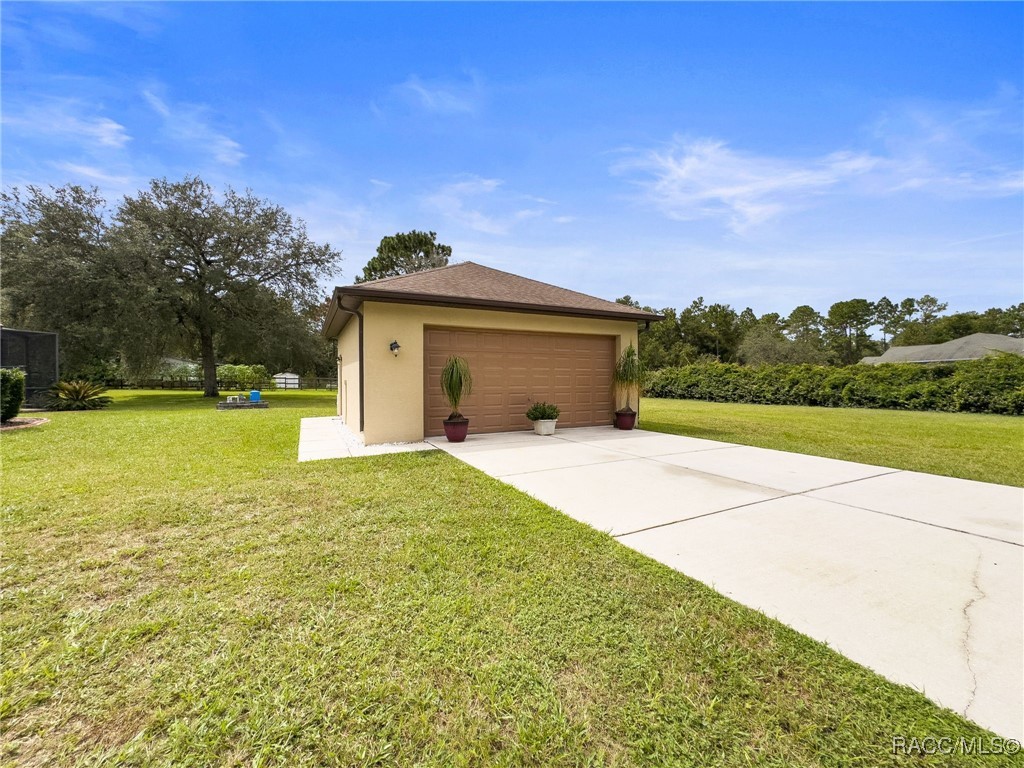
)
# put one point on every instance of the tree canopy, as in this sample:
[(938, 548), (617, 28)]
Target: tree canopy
[(841, 336), (406, 252), (174, 269)]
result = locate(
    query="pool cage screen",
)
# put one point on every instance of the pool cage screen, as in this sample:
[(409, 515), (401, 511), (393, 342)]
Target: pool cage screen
[(35, 353)]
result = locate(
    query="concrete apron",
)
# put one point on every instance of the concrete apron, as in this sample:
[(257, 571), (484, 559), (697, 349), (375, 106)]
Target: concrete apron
[(918, 577)]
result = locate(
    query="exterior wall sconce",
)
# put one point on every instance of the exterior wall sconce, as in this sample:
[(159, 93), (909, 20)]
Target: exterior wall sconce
[(394, 346)]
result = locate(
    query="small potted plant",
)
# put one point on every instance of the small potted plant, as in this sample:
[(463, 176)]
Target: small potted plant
[(456, 384), (626, 379), (544, 417)]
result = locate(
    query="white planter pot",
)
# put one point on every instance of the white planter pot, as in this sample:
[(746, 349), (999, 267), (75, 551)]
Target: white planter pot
[(545, 426)]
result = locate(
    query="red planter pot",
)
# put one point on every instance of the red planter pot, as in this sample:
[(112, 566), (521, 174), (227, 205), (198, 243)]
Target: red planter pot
[(456, 430), (625, 420)]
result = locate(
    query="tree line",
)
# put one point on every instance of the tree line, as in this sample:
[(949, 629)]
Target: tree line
[(177, 270), (843, 335)]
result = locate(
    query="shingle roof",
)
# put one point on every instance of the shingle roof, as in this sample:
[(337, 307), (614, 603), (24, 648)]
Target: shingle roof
[(473, 285), (972, 347)]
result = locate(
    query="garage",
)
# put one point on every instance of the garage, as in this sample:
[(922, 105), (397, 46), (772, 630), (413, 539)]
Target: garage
[(512, 370), (525, 341)]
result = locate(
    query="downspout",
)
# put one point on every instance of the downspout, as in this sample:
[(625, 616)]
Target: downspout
[(647, 327), (362, 410)]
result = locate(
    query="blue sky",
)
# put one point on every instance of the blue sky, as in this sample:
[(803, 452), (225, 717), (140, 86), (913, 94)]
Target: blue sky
[(758, 154)]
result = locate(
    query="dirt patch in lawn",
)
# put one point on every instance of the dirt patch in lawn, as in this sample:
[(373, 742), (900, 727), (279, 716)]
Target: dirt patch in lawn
[(22, 423)]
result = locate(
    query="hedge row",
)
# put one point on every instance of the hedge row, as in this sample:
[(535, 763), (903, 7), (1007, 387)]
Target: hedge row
[(12, 392), (992, 385)]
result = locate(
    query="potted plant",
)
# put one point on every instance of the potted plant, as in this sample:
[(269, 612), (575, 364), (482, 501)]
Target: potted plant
[(456, 384), (544, 417), (627, 378)]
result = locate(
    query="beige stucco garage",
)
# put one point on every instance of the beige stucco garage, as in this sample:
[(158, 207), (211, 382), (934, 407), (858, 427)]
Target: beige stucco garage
[(525, 341)]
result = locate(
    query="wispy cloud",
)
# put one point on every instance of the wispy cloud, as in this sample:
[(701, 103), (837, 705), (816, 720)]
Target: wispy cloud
[(465, 201), (93, 175), (379, 187), (145, 19), (954, 150), (67, 119), (189, 124), (966, 153), (446, 97), (288, 143), (705, 178)]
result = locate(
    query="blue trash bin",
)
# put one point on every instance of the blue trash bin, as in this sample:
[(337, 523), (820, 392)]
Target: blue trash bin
[(254, 396)]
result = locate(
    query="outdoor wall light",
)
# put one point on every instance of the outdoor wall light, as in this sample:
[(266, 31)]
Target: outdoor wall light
[(394, 346)]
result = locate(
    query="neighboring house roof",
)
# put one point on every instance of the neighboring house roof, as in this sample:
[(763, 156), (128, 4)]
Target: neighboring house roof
[(285, 374), (972, 347), (177, 361), (472, 285)]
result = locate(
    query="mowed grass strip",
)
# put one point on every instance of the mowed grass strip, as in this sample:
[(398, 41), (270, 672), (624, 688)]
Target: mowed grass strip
[(967, 445), (178, 590)]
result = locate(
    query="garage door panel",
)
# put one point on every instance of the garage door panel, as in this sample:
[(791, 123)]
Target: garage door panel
[(512, 370)]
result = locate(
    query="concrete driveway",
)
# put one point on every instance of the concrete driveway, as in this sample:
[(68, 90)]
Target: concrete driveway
[(919, 577)]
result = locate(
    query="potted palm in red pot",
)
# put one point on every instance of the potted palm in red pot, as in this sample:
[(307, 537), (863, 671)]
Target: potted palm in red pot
[(456, 384), (627, 378)]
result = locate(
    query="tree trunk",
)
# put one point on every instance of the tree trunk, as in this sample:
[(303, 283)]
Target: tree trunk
[(209, 364)]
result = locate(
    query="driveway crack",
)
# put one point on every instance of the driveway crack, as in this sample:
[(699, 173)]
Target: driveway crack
[(966, 644)]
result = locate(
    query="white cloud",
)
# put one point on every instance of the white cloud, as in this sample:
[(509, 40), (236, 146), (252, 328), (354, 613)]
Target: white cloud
[(464, 202), (189, 124), (953, 152), (66, 119), (145, 19), (94, 175), (943, 151), (705, 178), (443, 96)]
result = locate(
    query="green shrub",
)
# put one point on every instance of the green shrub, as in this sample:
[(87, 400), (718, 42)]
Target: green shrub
[(12, 392), (991, 385), (543, 412), (243, 376), (77, 395), (994, 384)]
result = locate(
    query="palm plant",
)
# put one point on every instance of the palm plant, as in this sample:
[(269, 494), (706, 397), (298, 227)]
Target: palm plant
[(628, 376), (77, 396), (456, 384)]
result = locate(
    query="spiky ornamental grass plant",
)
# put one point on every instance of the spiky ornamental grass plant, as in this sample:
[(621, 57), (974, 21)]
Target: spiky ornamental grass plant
[(456, 384), (628, 376), (77, 396)]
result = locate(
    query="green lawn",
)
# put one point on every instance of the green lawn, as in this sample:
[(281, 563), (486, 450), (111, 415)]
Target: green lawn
[(968, 445), (178, 590)]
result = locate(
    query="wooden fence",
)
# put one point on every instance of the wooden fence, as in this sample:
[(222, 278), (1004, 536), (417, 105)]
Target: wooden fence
[(304, 382)]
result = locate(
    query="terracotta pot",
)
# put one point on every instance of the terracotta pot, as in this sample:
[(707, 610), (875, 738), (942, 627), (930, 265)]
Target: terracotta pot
[(456, 429), (625, 419)]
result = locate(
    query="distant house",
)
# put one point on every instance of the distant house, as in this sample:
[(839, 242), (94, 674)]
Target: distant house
[(286, 380), (973, 347)]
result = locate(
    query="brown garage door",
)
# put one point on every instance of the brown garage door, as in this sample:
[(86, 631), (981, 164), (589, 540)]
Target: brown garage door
[(511, 370)]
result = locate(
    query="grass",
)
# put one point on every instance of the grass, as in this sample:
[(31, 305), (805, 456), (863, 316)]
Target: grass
[(178, 590), (967, 445)]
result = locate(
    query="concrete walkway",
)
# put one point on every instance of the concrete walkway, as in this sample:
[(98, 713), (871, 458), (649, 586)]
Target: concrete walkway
[(327, 437), (919, 577)]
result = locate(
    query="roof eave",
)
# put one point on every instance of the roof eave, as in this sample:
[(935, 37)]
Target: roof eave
[(405, 297)]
